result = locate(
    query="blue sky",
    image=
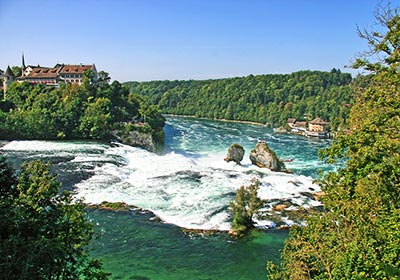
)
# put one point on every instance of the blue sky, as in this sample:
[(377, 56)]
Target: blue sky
[(185, 39)]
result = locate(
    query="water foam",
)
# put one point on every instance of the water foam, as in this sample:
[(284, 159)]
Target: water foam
[(191, 185), (188, 190)]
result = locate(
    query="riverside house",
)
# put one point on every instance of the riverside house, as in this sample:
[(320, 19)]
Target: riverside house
[(316, 128)]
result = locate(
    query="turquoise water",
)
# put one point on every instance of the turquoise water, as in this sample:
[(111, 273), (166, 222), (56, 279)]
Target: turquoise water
[(189, 186), (134, 247), (198, 136)]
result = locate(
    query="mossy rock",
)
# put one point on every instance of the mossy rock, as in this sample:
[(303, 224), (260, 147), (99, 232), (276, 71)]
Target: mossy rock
[(114, 206)]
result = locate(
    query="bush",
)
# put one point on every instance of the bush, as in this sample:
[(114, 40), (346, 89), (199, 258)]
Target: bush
[(245, 206)]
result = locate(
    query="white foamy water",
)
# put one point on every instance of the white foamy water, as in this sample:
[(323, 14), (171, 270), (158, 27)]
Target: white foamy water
[(191, 185), (191, 191)]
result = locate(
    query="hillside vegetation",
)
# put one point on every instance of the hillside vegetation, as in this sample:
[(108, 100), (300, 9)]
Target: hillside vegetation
[(358, 234), (268, 99), (88, 111)]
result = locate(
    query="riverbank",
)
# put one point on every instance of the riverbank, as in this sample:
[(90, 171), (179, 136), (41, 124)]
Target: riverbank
[(221, 120)]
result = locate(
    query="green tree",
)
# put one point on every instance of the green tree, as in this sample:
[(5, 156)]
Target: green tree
[(95, 122), (245, 206), (17, 71), (87, 111), (103, 77), (271, 98), (358, 234), (44, 233)]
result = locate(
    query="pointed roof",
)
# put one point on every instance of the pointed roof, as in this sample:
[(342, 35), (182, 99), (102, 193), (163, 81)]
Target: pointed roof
[(9, 72), (319, 121), (23, 61)]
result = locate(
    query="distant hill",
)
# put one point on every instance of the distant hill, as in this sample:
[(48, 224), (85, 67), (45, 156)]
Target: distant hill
[(271, 98)]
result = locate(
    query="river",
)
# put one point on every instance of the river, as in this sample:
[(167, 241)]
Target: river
[(188, 186)]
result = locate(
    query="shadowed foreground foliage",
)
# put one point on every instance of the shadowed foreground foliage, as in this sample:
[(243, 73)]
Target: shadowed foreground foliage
[(44, 234)]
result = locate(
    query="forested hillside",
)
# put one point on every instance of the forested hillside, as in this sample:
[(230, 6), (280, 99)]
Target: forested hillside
[(88, 111), (268, 99)]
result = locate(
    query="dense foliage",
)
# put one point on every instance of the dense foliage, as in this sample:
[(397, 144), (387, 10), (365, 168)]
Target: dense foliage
[(245, 206), (264, 98), (358, 235), (44, 234), (89, 111)]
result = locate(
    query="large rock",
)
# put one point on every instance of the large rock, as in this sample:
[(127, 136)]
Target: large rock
[(136, 139), (264, 157), (235, 153)]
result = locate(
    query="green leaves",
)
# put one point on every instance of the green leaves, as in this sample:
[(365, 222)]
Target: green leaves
[(89, 111), (262, 98), (245, 206), (358, 234), (44, 232)]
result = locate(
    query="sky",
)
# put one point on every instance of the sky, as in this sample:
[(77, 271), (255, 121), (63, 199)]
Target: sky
[(143, 40)]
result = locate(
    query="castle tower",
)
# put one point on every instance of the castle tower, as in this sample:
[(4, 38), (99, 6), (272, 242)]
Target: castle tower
[(8, 78), (23, 66)]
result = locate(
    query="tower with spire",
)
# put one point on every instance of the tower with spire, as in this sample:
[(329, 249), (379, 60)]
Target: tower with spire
[(23, 66)]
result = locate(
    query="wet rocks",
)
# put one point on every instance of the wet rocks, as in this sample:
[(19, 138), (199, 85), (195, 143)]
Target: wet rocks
[(235, 153), (264, 157), (136, 139), (113, 206)]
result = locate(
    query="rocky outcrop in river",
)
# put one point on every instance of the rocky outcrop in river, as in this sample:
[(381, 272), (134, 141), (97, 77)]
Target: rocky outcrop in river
[(136, 139), (264, 157), (235, 153)]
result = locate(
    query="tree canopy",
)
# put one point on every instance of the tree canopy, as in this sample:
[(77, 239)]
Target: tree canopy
[(263, 98), (245, 206), (44, 233), (87, 111), (358, 234)]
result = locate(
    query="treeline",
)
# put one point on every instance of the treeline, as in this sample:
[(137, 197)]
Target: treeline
[(88, 111), (268, 99)]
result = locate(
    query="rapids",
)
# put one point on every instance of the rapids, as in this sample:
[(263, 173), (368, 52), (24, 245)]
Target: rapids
[(189, 185)]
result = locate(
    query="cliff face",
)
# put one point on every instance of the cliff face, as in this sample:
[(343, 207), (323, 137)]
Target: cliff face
[(264, 157), (137, 139)]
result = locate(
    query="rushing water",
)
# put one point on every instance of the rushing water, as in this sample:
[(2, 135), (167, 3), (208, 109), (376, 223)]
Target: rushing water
[(189, 186)]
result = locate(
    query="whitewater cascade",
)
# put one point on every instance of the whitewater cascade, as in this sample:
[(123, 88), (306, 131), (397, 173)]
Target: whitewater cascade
[(190, 185)]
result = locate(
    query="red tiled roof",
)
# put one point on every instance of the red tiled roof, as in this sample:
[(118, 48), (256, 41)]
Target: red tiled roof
[(318, 121), (42, 72), (75, 69)]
